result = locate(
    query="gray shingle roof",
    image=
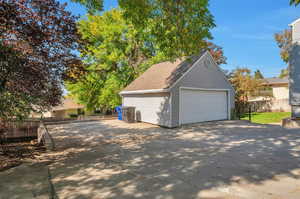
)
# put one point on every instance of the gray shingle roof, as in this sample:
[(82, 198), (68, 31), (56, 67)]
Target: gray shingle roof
[(162, 75), (276, 80)]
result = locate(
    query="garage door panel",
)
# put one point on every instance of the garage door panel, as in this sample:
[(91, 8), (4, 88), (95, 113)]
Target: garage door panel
[(199, 106)]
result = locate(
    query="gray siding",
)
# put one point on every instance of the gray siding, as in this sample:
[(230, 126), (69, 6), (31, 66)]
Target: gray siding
[(205, 74), (294, 64), (295, 75)]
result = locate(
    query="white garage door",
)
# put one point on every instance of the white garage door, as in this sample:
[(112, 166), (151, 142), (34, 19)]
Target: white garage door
[(199, 106), (151, 108)]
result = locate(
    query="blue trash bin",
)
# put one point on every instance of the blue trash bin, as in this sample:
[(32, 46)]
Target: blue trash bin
[(119, 111)]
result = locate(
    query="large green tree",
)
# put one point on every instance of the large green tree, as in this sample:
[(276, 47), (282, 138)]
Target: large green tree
[(178, 28), (114, 54)]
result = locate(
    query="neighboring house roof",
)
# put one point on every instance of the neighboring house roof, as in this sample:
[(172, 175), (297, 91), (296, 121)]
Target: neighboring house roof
[(66, 104), (276, 81), (162, 75)]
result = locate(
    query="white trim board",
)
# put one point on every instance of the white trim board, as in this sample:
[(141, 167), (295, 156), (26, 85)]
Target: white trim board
[(145, 91), (294, 22), (204, 89)]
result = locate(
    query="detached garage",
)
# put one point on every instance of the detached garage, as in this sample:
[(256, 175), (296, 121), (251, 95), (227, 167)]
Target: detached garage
[(182, 92)]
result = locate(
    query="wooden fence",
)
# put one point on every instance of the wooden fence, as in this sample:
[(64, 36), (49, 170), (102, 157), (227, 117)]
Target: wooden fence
[(20, 130), (28, 129)]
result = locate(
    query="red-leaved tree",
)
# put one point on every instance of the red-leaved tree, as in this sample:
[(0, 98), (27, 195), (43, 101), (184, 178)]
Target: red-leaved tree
[(217, 53), (38, 39)]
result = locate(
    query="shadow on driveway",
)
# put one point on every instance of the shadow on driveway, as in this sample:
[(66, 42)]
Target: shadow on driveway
[(231, 159)]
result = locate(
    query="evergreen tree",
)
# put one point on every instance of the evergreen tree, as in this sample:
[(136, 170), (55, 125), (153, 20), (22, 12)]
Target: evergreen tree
[(258, 75)]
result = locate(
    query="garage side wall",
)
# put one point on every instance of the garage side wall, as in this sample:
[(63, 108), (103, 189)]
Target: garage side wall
[(205, 74), (154, 108)]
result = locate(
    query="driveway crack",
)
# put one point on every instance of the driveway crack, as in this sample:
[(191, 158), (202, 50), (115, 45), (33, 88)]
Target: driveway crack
[(52, 192)]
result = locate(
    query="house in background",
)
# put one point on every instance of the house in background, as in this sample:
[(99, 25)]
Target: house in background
[(66, 109), (276, 98), (280, 87), (185, 91)]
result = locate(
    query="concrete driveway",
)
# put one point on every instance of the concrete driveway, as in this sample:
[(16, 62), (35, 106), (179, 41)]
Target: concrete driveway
[(217, 160)]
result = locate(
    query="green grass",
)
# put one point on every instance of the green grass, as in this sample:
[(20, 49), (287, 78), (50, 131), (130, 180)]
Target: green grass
[(268, 117)]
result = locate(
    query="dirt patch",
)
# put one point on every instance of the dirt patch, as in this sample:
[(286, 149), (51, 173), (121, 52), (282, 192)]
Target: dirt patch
[(14, 154)]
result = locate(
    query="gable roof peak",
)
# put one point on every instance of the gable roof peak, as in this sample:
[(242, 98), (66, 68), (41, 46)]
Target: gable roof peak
[(163, 75)]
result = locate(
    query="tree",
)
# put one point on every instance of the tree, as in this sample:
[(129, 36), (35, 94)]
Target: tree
[(284, 42), (245, 86), (294, 2), (258, 75), (115, 53), (217, 53), (178, 28), (244, 83), (37, 38), (92, 6), (284, 73)]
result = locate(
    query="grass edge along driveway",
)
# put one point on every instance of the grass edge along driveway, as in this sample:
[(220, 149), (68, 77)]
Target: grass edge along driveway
[(267, 117)]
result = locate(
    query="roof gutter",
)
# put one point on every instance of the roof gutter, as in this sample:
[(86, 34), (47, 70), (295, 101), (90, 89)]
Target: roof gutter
[(144, 91), (293, 23)]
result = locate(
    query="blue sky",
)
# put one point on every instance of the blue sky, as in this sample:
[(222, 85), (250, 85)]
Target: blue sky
[(244, 29)]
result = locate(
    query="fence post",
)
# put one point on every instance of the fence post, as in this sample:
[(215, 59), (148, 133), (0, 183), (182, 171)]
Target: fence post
[(238, 113), (250, 114)]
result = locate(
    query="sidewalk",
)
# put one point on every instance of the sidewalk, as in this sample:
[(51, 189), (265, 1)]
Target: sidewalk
[(29, 180)]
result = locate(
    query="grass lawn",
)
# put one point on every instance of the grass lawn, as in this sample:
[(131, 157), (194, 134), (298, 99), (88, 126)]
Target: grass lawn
[(268, 117)]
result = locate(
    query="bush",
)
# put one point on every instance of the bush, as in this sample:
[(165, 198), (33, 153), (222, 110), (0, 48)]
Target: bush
[(73, 115)]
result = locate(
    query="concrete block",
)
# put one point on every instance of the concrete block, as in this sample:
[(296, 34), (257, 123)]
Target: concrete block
[(291, 123), (45, 138), (295, 111)]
